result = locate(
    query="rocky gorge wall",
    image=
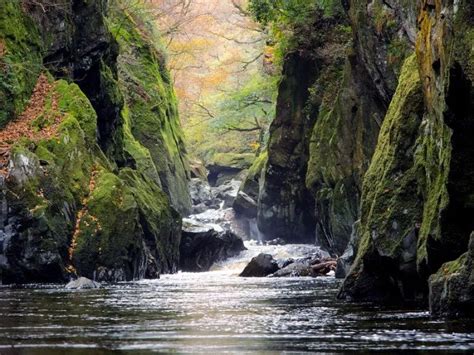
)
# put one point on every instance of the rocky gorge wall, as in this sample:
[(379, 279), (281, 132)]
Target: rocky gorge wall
[(384, 158), (93, 164)]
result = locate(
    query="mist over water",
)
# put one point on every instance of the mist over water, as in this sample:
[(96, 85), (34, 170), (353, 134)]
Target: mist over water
[(216, 312)]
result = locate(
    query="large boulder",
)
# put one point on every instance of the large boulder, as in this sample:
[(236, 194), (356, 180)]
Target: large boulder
[(245, 206), (318, 264), (260, 266), (202, 245), (452, 287)]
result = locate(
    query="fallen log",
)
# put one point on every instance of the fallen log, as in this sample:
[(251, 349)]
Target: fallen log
[(324, 267)]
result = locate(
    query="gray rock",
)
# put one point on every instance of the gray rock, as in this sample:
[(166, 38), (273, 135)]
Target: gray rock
[(300, 267), (82, 283), (245, 206), (204, 244), (276, 241), (227, 192), (200, 192), (260, 266), (345, 261)]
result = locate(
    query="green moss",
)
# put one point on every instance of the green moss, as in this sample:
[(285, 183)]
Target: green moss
[(51, 191), (162, 224), (138, 153), (251, 183), (20, 59), (124, 221), (108, 231), (258, 165), (234, 160), (391, 204), (454, 266), (73, 101), (151, 117)]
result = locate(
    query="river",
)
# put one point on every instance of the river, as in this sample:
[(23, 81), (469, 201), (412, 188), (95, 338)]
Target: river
[(215, 312)]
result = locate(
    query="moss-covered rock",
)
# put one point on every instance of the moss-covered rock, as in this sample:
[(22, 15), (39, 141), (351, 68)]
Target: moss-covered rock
[(452, 287), (70, 210), (354, 104), (251, 184), (286, 207), (385, 266), (20, 59), (429, 195), (446, 59), (246, 202), (151, 124), (83, 194)]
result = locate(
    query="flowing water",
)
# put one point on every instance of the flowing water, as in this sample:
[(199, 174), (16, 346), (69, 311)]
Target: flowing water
[(215, 312)]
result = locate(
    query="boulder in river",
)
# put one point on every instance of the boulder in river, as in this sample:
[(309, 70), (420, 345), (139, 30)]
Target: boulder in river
[(82, 283), (310, 266), (260, 266), (452, 287), (245, 206), (203, 244)]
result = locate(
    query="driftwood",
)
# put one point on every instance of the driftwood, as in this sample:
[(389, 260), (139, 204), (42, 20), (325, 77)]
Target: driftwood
[(324, 267)]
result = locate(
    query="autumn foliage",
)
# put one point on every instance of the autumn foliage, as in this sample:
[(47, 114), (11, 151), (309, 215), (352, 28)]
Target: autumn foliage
[(35, 123)]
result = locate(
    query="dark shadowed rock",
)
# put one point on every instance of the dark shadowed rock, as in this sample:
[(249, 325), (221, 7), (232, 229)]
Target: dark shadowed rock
[(345, 261), (260, 266), (202, 245), (245, 206), (227, 166)]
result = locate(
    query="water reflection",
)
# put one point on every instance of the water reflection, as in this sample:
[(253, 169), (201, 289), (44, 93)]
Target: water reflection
[(214, 312)]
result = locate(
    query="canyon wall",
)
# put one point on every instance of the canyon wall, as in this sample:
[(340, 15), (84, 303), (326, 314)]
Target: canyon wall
[(93, 168)]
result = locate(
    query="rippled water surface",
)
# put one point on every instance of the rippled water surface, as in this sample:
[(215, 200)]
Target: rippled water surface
[(214, 312)]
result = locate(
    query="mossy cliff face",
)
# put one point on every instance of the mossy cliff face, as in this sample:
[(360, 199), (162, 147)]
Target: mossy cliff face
[(446, 58), (355, 73), (385, 265), (150, 107), (251, 184), (84, 193), (20, 58), (286, 207), (417, 195), (345, 134)]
